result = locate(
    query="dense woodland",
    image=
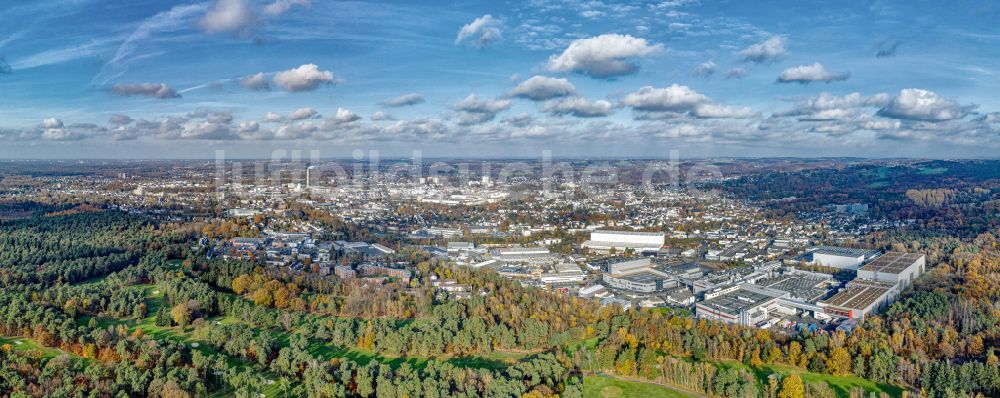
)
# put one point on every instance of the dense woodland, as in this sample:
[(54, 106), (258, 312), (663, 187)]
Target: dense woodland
[(121, 305)]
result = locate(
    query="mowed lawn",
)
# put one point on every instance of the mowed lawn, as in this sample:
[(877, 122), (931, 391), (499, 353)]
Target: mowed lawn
[(841, 385), (28, 344), (606, 387)]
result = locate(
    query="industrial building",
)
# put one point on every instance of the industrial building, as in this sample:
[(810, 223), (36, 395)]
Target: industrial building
[(738, 306), (840, 257), (638, 276), (860, 298), (533, 255), (899, 269), (640, 242), (458, 247), (563, 273), (807, 287)]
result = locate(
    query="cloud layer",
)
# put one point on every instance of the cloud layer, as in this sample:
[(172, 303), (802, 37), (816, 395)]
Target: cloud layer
[(540, 88), (810, 73), (307, 77), (603, 56), (404, 100), (481, 32), (769, 50), (153, 90)]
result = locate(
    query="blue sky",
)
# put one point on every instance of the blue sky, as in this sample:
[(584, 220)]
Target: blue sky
[(153, 79)]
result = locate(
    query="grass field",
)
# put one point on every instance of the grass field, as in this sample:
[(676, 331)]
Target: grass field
[(606, 387), (27, 344), (842, 385)]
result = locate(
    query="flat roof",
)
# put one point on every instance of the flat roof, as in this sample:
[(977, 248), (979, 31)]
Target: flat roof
[(892, 262), (520, 250), (644, 276), (792, 282), (859, 294), (597, 243), (843, 251), (639, 233), (736, 301)]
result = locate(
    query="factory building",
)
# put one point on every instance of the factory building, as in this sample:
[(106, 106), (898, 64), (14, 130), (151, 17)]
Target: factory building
[(840, 257), (860, 298), (738, 306), (563, 273), (532, 255), (638, 276), (806, 287), (899, 269), (640, 242)]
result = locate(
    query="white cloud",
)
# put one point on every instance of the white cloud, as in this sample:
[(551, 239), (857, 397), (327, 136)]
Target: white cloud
[(203, 130), (381, 116), (343, 116), (769, 50), (282, 6), (230, 16), (826, 106), (540, 88), (154, 90), (579, 107), (917, 104), (256, 82), (404, 100), (472, 110), (272, 117), (302, 113), (61, 134), (249, 126), (705, 70), (675, 98), (718, 111), (51, 123), (603, 56), (810, 73), (295, 131), (483, 31), (307, 77)]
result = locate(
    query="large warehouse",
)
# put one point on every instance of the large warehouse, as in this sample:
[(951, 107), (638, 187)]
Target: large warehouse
[(879, 282), (860, 298), (840, 257), (897, 268), (640, 242)]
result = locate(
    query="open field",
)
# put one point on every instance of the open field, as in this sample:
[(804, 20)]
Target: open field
[(28, 344), (607, 387), (842, 385)]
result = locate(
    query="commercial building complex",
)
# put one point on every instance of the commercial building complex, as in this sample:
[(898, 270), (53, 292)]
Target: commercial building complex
[(878, 283), (860, 298), (840, 257), (740, 306), (638, 276), (897, 268), (640, 242)]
